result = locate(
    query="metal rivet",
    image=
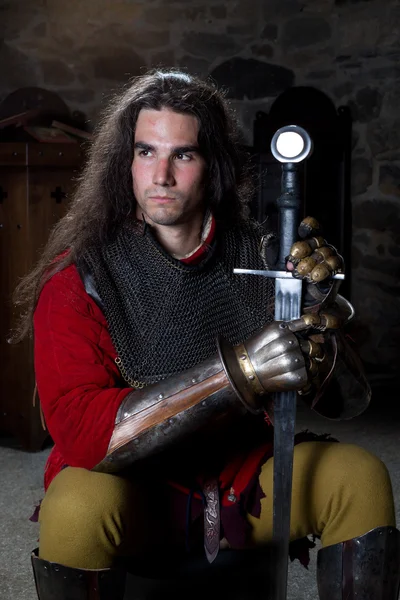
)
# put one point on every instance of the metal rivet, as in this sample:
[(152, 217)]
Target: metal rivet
[(45, 568), (243, 357), (296, 360), (61, 154), (290, 342), (160, 396), (193, 380), (204, 402), (282, 325), (126, 415), (15, 153), (56, 568), (251, 377)]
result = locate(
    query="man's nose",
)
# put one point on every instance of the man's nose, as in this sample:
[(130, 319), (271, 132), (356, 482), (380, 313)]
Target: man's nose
[(163, 174)]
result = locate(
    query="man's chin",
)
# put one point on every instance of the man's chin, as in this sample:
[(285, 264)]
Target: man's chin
[(163, 217)]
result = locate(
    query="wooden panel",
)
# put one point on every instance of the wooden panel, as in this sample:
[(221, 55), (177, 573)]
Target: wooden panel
[(16, 377), (54, 155), (13, 154), (31, 202), (49, 194)]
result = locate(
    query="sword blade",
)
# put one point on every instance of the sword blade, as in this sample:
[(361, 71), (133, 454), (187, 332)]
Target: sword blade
[(287, 307)]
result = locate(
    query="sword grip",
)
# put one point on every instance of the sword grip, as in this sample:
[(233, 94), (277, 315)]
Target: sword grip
[(289, 204)]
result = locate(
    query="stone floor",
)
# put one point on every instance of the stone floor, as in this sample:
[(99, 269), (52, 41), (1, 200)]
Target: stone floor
[(21, 489)]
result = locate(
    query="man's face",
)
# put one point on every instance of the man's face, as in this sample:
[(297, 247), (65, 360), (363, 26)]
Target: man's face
[(167, 169)]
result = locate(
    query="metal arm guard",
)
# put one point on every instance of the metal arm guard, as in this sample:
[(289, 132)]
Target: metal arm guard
[(155, 418)]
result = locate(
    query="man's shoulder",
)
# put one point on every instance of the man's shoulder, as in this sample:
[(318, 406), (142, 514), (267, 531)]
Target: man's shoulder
[(66, 282)]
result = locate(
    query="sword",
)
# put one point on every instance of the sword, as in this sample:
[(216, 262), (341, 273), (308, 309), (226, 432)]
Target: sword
[(290, 145)]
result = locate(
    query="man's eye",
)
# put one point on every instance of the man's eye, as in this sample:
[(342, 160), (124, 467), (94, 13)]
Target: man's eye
[(145, 153), (182, 156)]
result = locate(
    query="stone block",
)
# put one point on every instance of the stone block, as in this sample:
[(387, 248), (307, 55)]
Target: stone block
[(343, 89), (270, 32), (305, 31), (361, 175), (251, 78), (218, 12), (209, 45), (377, 215), (145, 39), (81, 96), (391, 102), (18, 69), (56, 72), (262, 50), (163, 59), (194, 65), (366, 105), (273, 9), (350, 2), (383, 137), (394, 246), (389, 180), (358, 35), (117, 65), (162, 15), (323, 74), (40, 30)]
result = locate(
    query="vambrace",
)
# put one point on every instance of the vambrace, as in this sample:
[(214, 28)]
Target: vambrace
[(230, 384)]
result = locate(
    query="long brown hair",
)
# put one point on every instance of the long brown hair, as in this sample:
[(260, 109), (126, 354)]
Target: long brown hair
[(104, 195)]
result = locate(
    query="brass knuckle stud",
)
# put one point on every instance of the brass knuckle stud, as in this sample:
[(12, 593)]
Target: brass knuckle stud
[(311, 319), (308, 226), (305, 266), (324, 251), (300, 250), (319, 273), (335, 263), (316, 242), (330, 321)]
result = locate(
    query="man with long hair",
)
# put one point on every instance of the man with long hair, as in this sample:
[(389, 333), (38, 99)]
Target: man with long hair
[(155, 364)]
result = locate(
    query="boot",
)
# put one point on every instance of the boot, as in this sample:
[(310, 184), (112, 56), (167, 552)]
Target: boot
[(364, 568), (56, 582)]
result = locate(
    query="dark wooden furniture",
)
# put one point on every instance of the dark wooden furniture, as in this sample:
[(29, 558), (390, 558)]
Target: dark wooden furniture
[(35, 182)]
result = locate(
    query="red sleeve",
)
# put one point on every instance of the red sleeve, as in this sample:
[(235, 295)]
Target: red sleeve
[(76, 375)]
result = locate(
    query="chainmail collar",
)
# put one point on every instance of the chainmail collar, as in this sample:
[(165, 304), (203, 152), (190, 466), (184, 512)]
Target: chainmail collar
[(164, 316)]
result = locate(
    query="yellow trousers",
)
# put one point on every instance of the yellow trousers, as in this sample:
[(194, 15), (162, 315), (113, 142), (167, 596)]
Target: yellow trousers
[(87, 519)]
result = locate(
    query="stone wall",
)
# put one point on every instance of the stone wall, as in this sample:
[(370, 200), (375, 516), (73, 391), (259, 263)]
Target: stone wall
[(349, 49)]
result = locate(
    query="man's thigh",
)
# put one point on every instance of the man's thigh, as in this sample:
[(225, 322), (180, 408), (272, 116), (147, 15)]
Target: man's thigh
[(138, 514)]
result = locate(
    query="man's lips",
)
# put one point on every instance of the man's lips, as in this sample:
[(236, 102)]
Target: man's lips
[(161, 199)]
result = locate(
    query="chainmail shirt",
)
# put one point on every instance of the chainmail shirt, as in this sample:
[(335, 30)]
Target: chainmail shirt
[(164, 316)]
